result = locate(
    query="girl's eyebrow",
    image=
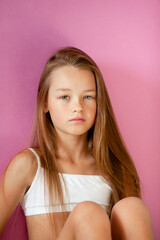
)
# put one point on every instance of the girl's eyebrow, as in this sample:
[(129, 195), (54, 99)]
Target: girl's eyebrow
[(67, 89)]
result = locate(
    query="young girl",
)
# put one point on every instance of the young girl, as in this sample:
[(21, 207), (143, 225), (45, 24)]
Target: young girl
[(78, 180)]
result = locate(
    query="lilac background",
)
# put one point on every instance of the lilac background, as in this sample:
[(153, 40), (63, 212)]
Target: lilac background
[(122, 37)]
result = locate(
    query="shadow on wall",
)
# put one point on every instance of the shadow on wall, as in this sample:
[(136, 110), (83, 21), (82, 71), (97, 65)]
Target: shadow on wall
[(135, 99), (16, 227)]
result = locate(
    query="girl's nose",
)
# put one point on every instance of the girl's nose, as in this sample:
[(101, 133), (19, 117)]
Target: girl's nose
[(77, 108)]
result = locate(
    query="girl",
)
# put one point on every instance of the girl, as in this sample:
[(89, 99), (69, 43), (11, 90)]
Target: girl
[(78, 180)]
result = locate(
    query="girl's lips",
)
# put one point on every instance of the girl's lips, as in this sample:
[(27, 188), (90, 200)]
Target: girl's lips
[(77, 120)]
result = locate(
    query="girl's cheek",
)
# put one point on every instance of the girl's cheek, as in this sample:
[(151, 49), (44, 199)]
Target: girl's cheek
[(60, 111), (93, 107)]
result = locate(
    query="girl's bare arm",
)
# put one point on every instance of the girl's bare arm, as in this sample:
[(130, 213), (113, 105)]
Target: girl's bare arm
[(14, 183)]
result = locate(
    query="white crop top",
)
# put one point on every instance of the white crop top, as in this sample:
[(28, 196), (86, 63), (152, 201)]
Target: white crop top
[(80, 188)]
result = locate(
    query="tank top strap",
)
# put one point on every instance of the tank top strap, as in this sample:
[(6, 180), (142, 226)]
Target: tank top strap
[(37, 156)]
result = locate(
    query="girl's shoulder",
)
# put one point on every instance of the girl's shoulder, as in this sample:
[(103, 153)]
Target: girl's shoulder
[(14, 183), (24, 159), (23, 165)]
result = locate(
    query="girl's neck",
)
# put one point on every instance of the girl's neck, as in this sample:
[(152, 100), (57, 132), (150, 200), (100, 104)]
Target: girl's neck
[(73, 148)]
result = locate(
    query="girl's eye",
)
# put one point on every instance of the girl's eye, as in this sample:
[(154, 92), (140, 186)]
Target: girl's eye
[(64, 97), (88, 97)]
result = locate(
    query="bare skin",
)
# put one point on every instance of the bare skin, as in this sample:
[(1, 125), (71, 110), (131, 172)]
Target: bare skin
[(129, 220), (18, 178), (87, 221)]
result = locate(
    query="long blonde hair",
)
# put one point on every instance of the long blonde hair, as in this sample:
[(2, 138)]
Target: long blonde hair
[(104, 141)]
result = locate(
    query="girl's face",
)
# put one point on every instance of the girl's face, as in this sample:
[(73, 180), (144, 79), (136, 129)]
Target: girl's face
[(72, 94)]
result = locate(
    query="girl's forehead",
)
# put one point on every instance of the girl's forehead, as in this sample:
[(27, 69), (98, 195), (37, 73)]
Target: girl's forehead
[(72, 77)]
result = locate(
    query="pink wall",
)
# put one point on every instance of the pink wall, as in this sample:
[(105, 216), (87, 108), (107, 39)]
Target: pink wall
[(122, 37)]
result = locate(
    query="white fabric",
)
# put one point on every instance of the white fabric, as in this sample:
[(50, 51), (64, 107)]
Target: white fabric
[(80, 188)]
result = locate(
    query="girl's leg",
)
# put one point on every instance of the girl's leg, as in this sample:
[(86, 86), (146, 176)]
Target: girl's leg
[(130, 220), (88, 221)]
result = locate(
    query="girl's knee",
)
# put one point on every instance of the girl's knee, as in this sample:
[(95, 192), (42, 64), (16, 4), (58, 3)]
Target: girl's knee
[(130, 219), (90, 219), (89, 211), (128, 211), (129, 206)]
